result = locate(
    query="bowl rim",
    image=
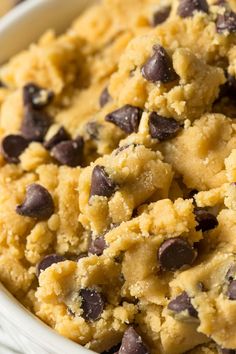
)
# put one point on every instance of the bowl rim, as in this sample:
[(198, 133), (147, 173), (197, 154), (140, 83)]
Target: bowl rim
[(18, 22), (13, 311), (33, 328)]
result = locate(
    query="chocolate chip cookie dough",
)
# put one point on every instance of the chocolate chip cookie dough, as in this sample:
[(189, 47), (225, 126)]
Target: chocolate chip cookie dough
[(118, 177)]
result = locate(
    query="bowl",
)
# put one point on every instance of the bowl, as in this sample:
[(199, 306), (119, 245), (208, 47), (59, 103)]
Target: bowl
[(29, 333), (43, 14)]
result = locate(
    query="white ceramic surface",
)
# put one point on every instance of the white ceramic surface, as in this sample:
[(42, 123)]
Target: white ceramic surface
[(19, 28), (31, 335), (27, 21)]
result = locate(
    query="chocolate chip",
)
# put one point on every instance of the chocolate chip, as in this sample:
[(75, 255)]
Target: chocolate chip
[(101, 183), (160, 15), (69, 153), (36, 97), (38, 203), (12, 147), (162, 128), (159, 67), (187, 8), (227, 351), (206, 221), (174, 253), (92, 304), (105, 97), (132, 343), (226, 22), (93, 130), (231, 273), (47, 261), (61, 135), (97, 246), (35, 125), (232, 290), (126, 118), (183, 303)]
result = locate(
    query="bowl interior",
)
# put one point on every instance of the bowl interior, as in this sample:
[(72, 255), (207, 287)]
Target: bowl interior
[(27, 325), (27, 21)]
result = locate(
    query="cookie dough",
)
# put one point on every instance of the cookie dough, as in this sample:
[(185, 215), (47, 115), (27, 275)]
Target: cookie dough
[(118, 177)]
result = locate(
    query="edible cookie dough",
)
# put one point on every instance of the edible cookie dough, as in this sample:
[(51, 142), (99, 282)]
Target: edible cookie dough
[(118, 177)]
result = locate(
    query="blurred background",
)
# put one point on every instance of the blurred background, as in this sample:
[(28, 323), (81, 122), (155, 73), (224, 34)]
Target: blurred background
[(6, 5)]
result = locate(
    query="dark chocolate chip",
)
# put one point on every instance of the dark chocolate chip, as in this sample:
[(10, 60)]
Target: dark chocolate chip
[(92, 304), (36, 97), (162, 128), (232, 290), (69, 153), (159, 67), (227, 351), (113, 350), (187, 8), (35, 125), (132, 343), (93, 130), (226, 22), (101, 183), (174, 253), (12, 147), (47, 261), (206, 221), (231, 273), (97, 246), (183, 303), (38, 203), (160, 15), (61, 135), (105, 97), (126, 118)]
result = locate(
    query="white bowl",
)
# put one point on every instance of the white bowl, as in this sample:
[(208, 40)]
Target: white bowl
[(19, 28)]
